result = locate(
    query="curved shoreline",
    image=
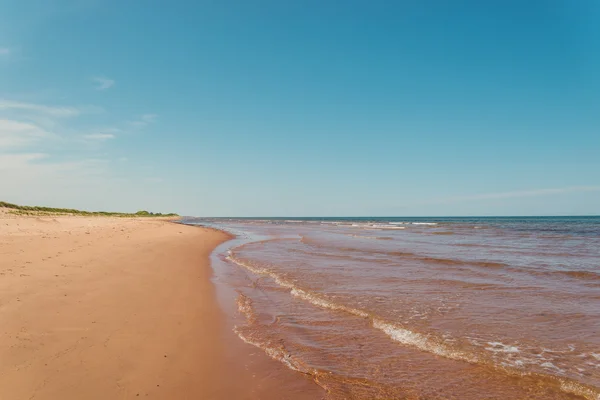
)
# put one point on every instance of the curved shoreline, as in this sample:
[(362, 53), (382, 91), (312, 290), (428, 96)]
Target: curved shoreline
[(119, 308)]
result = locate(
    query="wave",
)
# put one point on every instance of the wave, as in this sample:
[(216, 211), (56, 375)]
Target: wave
[(371, 237), (400, 334), (385, 227), (580, 274), (330, 381), (393, 330), (372, 226), (422, 342), (404, 254), (245, 307), (579, 389), (591, 277), (363, 236), (454, 261), (278, 353)]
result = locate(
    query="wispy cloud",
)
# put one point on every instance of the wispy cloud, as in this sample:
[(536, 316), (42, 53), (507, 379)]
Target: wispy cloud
[(44, 109), (99, 136), (4, 51), (34, 127), (58, 179), (144, 120), (60, 150), (19, 134), (42, 170), (103, 83), (19, 160)]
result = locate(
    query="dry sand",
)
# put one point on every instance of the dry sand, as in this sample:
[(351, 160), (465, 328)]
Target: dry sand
[(119, 308)]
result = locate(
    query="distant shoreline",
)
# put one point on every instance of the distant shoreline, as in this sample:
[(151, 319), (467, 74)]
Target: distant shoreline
[(52, 211)]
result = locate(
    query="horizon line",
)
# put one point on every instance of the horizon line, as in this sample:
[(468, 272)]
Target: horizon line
[(419, 216)]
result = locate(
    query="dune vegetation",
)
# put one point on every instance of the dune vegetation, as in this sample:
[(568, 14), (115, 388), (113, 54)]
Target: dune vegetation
[(37, 210)]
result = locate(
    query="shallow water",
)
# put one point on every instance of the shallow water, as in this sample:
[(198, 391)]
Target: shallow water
[(415, 308)]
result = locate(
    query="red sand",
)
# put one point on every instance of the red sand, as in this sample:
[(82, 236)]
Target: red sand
[(115, 308)]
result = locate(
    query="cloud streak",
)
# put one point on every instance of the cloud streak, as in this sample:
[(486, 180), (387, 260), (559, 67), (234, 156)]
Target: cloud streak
[(99, 136), (19, 160), (19, 134), (59, 112), (144, 120), (103, 83)]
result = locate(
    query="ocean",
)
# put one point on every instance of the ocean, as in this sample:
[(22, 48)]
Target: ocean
[(421, 308)]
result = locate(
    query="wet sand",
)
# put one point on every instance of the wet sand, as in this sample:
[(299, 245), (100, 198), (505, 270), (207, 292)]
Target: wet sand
[(119, 308)]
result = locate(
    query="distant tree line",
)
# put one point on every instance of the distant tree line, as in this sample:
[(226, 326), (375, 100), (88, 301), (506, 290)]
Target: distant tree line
[(37, 210)]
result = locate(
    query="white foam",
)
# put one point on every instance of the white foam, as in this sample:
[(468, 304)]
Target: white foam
[(297, 292), (424, 223), (260, 271), (363, 237), (277, 354), (549, 365), (401, 335), (245, 307), (419, 341), (300, 293), (579, 389), (377, 226), (499, 347), (395, 332), (321, 302)]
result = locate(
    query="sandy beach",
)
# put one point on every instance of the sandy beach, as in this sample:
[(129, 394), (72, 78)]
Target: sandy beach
[(119, 308)]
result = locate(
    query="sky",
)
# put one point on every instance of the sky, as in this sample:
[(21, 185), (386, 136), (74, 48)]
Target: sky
[(302, 108)]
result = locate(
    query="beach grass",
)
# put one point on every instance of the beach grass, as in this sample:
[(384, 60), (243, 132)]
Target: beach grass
[(39, 211)]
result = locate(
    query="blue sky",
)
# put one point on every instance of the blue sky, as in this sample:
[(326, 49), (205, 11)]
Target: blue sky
[(271, 108)]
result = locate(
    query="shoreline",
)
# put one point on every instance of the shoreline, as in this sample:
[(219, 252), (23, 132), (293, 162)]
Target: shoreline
[(122, 308), (295, 303), (266, 377)]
